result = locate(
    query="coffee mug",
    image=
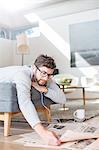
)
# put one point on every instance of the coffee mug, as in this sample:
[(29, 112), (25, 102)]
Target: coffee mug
[(79, 115)]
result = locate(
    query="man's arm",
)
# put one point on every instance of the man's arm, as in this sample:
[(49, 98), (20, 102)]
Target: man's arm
[(51, 91), (23, 84), (55, 93)]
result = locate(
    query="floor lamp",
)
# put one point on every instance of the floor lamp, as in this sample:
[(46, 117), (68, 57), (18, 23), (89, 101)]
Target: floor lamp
[(22, 45)]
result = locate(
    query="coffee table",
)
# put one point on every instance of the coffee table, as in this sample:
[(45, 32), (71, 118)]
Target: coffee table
[(64, 86)]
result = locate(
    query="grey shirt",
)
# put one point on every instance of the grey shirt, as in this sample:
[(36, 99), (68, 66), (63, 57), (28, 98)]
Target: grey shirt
[(21, 76)]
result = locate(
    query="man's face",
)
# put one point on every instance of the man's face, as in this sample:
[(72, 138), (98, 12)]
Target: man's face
[(43, 74)]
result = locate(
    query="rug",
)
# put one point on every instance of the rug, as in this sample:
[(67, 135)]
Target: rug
[(61, 113)]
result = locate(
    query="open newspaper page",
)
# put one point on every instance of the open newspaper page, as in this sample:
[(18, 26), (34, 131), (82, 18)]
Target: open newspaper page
[(70, 135), (90, 127)]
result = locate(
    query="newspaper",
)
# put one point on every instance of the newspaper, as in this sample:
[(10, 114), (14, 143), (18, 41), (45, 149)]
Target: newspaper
[(70, 136), (90, 127)]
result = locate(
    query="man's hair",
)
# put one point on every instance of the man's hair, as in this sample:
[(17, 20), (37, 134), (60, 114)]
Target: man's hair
[(44, 60)]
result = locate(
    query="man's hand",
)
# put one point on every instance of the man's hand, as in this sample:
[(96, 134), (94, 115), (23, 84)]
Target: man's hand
[(42, 89), (49, 137)]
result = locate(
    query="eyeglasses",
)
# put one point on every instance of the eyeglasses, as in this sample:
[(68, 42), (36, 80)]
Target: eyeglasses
[(44, 74)]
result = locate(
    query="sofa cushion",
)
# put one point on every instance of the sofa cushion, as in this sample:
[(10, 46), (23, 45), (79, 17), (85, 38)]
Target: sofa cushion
[(8, 98)]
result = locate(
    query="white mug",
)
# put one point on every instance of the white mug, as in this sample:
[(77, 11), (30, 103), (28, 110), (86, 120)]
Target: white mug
[(79, 115)]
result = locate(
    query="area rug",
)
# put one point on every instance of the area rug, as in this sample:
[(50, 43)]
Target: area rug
[(63, 113)]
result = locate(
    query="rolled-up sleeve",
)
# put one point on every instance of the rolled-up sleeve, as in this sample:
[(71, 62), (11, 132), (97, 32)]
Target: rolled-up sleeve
[(23, 85)]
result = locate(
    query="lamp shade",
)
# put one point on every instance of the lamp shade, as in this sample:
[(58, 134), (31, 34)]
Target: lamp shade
[(22, 44)]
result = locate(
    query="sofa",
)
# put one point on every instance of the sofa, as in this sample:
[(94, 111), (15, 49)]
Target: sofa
[(9, 104)]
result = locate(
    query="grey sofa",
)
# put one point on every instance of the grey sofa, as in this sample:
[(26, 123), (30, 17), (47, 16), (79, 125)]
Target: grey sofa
[(8, 98), (9, 104)]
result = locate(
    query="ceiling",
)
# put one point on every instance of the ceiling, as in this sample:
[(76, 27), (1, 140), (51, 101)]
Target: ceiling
[(12, 13)]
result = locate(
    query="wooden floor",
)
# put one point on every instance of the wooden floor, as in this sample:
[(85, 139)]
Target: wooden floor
[(7, 146), (6, 143)]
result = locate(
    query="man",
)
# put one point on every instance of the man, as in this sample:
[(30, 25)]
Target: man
[(39, 76)]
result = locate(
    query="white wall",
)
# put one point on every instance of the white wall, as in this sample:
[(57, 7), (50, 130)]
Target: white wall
[(6, 53)]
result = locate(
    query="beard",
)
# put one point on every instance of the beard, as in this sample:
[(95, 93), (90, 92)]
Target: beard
[(41, 82)]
